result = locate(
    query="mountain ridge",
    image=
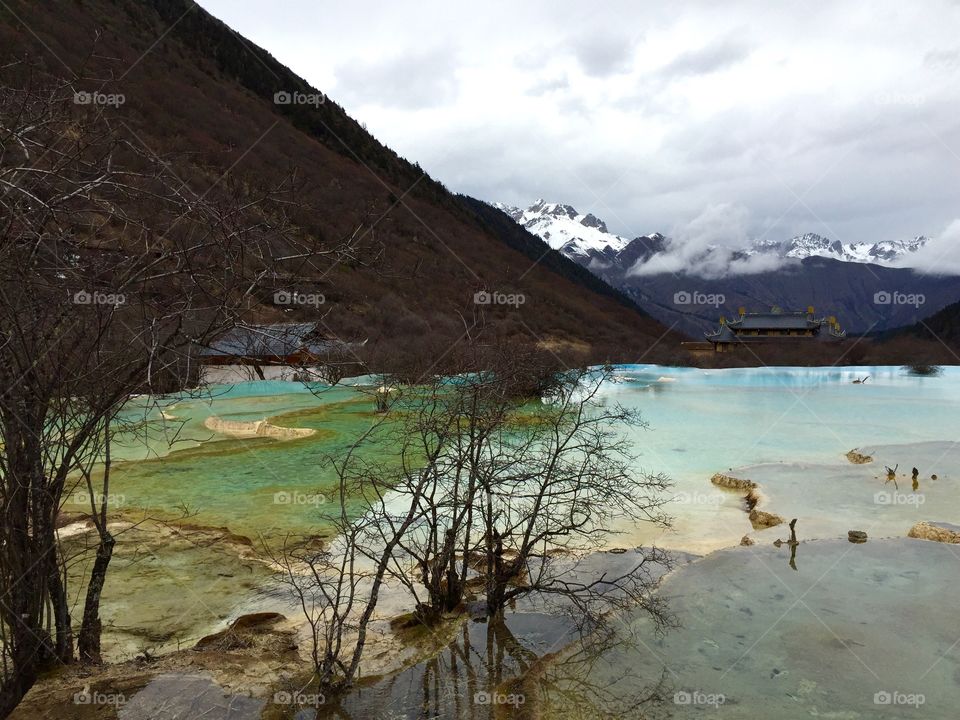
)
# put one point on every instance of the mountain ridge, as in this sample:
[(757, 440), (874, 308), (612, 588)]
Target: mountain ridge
[(584, 236), (204, 99), (850, 281)]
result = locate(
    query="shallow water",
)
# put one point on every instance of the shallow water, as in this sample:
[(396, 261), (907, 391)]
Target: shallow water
[(831, 498), (705, 421), (701, 422), (470, 678), (786, 428), (175, 696), (256, 487), (168, 586), (855, 631)]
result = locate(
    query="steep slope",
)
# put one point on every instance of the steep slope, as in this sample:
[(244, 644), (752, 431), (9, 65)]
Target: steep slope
[(943, 326), (226, 115)]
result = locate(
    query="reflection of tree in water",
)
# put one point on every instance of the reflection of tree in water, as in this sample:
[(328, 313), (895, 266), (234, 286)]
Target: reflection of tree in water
[(792, 543), (547, 664), (598, 678), (483, 659)]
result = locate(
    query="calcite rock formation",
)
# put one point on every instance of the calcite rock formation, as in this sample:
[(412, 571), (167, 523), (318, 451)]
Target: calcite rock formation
[(761, 520), (256, 428), (857, 458), (733, 483), (938, 532)]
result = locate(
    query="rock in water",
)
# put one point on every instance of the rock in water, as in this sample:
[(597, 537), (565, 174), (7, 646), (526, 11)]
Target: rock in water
[(731, 482), (857, 536), (240, 633), (858, 458), (760, 519), (936, 531)]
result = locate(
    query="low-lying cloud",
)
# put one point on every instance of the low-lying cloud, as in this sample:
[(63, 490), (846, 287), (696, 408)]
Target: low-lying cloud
[(707, 247), (940, 256)]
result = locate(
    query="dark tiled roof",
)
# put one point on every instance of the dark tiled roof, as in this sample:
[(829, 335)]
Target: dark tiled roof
[(731, 331), (279, 340), (723, 334), (774, 321)]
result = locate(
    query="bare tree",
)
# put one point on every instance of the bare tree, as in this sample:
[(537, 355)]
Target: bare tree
[(556, 490), (338, 586), (112, 272), (469, 482)]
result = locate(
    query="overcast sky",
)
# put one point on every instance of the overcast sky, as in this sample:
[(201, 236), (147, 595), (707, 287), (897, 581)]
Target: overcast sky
[(840, 118)]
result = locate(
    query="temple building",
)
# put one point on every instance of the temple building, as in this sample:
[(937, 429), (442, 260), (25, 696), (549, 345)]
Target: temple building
[(281, 351), (775, 325)]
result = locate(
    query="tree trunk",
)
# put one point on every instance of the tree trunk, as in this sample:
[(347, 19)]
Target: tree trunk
[(31, 651), (88, 643), (63, 646), (497, 583), (90, 629), (14, 689), (61, 610)]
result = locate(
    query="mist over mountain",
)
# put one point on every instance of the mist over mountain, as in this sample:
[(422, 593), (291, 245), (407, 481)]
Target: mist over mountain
[(713, 257), (712, 245)]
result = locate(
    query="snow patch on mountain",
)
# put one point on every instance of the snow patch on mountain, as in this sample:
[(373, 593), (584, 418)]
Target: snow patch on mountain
[(715, 244), (574, 234), (813, 245)]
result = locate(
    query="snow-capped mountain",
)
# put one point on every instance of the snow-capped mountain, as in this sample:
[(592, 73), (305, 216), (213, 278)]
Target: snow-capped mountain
[(577, 236), (838, 278), (812, 245), (585, 239)]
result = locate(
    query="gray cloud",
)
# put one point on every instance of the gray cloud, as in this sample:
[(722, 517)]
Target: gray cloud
[(814, 117), (705, 245), (946, 59), (705, 60), (548, 85), (940, 256), (410, 81), (602, 55)]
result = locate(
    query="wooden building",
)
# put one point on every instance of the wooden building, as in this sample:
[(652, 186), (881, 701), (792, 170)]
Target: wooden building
[(280, 351), (773, 326)]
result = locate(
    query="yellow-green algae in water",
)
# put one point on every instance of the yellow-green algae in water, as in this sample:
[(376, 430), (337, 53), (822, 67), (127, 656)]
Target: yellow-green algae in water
[(170, 584), (256, 487)]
